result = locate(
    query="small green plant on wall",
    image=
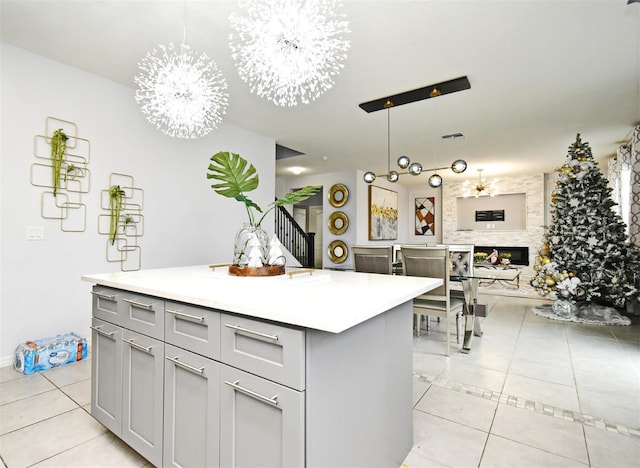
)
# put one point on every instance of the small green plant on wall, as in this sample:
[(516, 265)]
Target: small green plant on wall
[(116, 194), (58, 148)]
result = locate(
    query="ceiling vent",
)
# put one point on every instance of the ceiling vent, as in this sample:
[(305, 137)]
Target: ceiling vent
[(453, 136)]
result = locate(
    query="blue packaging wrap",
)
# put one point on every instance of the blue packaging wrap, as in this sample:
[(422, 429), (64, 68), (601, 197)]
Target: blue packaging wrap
[(38, 355)]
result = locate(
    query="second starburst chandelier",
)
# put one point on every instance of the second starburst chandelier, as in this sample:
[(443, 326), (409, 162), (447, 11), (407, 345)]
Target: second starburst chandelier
[(289, 51)]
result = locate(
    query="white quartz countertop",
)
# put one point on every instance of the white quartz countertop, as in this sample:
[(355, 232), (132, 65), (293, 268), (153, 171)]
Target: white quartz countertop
[(331, 301)]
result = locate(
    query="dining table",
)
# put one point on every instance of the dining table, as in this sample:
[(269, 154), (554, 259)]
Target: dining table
[(470, 283)]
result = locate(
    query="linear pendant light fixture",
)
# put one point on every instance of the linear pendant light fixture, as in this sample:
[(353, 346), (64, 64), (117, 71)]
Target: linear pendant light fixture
[(426, 92), (419, 94)]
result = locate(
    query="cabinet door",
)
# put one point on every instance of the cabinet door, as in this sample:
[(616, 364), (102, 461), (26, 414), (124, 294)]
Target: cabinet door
[(106, 375), (191, 412), (142, 393), (261, 422)]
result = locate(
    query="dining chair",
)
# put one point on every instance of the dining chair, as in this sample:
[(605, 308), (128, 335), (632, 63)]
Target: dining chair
[(373, 259), (461, 256), (433, 262)]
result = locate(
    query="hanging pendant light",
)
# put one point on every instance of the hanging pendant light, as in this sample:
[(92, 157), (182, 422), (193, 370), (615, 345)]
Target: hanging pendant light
[(479, 189), (404, 162), (289, 51), (180, 91)]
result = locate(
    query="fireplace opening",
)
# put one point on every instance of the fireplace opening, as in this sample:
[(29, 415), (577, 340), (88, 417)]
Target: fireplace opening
[(519, 255)]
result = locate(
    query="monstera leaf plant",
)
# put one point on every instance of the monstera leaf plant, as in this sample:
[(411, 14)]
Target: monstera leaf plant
[(237, 177)]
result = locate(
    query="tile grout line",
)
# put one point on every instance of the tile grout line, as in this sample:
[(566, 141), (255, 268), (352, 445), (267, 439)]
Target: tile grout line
[(530, 405)]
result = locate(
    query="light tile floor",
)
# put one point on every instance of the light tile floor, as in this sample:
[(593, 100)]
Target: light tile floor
[(532, 393)]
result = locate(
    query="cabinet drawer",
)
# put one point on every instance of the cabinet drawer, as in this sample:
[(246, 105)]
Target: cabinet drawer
[(194, 328), (143, 314), (269, 350), (105, 304), (261, 423)]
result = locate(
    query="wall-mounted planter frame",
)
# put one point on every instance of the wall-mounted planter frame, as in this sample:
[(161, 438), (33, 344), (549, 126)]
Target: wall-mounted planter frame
[(66, 177)]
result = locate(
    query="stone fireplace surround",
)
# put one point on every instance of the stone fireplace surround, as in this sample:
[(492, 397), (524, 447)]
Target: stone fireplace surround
[(533, 185)]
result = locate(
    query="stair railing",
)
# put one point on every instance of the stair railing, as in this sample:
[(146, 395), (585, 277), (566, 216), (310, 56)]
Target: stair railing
[(293, 237)]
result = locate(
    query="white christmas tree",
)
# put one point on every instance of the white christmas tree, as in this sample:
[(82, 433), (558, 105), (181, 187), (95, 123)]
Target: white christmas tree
[(585, 255), (255, 253), (276, 255)]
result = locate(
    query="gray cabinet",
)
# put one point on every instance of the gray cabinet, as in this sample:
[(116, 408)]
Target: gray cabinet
[(127, 369), (191, 386), (267, 349), (106, 369), (191, 409), (142, 394), (261, 422), (193, 328)]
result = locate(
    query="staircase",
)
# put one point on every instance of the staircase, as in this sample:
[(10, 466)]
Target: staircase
[(293, 237)]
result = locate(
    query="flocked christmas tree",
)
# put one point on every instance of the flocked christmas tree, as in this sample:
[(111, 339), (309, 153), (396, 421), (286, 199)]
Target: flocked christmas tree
[(585, 255)]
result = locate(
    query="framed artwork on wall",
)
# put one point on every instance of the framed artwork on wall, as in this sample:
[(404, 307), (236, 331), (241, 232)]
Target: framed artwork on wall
[(383, 214), (425, 209)]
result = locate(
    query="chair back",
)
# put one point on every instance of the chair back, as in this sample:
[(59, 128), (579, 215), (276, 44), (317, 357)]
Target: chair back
[(461, 258), (373, 259), (432, 262)]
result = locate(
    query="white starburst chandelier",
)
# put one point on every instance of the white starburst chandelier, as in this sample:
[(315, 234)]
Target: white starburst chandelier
[(289, 51), (180, 91), (480, 188)]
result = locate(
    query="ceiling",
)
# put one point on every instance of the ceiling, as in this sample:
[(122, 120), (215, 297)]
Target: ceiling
[(540, 72)]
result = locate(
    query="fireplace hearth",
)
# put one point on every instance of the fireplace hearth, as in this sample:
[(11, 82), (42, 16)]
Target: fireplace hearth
[(519, 255)]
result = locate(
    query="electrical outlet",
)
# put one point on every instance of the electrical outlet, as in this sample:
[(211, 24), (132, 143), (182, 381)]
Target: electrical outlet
[(35, 233)]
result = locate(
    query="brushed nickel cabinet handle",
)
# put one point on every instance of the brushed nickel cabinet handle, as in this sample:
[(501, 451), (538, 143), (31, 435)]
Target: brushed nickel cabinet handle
[(177, 313), (139, 347), (103, 333), (138, 304), (195, 370), (235, 385), (101, 295), (252, 332)]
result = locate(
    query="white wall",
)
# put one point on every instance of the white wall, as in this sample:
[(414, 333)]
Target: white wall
[(186, 222)]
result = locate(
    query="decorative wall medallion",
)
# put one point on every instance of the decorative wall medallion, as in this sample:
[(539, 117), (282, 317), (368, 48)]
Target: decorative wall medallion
[(338, 251), (338, 195), (338, 222)]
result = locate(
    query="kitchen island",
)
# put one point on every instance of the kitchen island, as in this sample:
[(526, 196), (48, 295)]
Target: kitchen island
[(193, 367)]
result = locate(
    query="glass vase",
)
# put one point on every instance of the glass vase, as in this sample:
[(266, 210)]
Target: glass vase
[(251, 247)]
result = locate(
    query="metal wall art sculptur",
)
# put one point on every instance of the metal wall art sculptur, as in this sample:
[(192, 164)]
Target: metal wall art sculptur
[(63, 170)]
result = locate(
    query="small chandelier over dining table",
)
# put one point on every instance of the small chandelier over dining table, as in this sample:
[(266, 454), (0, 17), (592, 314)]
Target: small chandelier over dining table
[(404, 162), (412, 168)]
